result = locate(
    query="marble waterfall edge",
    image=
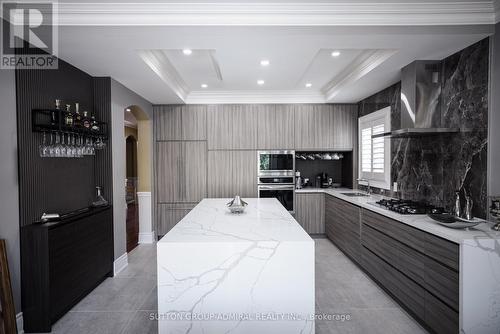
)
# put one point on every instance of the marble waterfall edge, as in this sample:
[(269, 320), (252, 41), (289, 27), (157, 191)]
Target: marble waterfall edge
[(247, 273)]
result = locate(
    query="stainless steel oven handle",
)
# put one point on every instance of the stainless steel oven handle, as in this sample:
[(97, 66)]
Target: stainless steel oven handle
[(276, 187)]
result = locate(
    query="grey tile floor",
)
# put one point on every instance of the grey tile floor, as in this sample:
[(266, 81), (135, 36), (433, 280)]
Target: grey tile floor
[(123, 304)]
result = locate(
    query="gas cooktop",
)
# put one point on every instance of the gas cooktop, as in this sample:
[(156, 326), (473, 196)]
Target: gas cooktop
[(407, 207)]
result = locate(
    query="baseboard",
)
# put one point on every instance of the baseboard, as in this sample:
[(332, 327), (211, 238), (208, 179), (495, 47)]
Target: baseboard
[(120, 264), (20, 323), (146, 237)]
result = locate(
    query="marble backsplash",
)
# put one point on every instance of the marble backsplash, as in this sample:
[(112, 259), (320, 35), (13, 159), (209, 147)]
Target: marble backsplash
[(432, 168)]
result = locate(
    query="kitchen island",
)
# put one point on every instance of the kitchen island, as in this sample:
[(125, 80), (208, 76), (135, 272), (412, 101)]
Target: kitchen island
[(236, 273)]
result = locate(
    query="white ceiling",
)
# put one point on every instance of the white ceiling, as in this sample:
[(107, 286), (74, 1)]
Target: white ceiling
[(298, 54)]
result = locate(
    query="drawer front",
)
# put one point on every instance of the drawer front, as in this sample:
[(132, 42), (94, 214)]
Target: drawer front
[(439, 249), (402, 257), (397, 230), (443, 251), (438, 316), (342, 226), (170, 214), (403, 289), (442, 282)]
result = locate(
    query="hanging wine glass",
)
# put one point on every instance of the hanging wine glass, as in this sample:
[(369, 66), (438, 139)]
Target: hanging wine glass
[(63, 146), (51, 146), (43, 148)]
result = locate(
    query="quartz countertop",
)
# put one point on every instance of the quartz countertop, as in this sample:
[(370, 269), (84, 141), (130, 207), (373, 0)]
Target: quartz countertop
[(263, 219), (422, 222), (220, 272)]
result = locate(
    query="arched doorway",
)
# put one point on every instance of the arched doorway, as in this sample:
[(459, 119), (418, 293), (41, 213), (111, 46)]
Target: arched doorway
[(138, 126), (132, 222)]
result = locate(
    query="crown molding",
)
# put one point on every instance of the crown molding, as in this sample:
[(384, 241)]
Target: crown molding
[(160, 64), (277, 14), (254, 97), (360, 66)]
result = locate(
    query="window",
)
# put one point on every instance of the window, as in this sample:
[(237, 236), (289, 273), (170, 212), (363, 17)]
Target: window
[(375, 153)]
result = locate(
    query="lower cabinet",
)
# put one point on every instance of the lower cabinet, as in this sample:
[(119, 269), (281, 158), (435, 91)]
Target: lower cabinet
[(342, 226), (310, 212), (169, 214), (61, 263), (418, 269)]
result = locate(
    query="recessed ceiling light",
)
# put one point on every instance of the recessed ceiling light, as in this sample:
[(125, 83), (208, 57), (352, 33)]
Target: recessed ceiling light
[(335, 53), (187, 52), (128, 109), (309, 84), (264, 62), (204, 85), (260, 82)]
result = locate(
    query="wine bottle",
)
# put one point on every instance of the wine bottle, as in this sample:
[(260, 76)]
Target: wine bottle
[(68, 119), (86, 121), (78, 116)]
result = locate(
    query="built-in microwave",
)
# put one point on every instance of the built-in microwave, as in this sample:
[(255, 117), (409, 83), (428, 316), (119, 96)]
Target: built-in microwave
[(276, 163)]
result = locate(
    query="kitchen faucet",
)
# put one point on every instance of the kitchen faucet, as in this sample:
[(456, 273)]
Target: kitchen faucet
[(368, 190)]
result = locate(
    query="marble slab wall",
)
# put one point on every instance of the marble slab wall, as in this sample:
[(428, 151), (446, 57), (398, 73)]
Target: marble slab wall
[(432, 168)]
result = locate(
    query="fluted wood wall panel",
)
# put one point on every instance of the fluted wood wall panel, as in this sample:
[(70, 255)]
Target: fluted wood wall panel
[(58, 184)]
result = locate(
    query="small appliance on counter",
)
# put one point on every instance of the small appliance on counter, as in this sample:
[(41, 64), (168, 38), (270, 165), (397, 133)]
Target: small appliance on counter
[(317, 182), (298, 180)]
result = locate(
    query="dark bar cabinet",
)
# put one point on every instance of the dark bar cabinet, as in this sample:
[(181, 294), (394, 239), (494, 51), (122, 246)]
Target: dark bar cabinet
[(62, 262)]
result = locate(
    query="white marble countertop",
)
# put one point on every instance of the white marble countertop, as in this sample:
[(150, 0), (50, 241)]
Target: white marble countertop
[(223, 273), (422, 222), (263, 219)]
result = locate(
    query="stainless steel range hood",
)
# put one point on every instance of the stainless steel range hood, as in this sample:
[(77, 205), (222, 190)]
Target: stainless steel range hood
[(420, 101)]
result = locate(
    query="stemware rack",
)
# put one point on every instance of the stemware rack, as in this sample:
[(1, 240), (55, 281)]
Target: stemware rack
[(52, 120)]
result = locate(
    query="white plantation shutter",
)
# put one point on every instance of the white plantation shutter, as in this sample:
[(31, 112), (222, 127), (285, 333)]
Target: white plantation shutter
[(366, 150), (374, 153), (378, 151)]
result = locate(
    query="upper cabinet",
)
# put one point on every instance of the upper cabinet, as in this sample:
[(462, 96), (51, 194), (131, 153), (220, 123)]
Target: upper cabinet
[(325, 126), (181, 122), (275, 128), (181, 171), (232, 127)]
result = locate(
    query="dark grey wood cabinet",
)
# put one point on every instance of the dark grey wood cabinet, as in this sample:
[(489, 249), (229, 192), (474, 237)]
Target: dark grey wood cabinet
[(418, 269), (424, 264), (342, 226), (310, 212)]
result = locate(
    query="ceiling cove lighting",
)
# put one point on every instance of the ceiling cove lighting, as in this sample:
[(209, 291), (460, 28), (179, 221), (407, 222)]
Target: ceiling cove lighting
[(187, 52), (260, 82), (264, 62), (309, 85), (335, 53), (204, 85)]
